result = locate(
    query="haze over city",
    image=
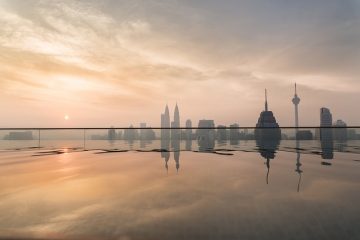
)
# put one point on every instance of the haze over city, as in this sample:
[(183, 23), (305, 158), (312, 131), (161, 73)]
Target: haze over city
[(116, 63)]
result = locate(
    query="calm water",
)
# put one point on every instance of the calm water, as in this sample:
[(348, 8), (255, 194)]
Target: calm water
[(223, 194)]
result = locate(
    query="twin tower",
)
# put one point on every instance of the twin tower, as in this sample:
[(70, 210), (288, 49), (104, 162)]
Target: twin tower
[(167, 124)]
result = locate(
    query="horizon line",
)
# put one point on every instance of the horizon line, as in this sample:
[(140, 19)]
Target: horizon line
[(160, 128)]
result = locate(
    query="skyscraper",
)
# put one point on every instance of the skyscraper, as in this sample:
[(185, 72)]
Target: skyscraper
[(326, 134), (188, 132), (176, 122), (267, 120), (165, 123), (206, 135), (296, 101), (340, 131), (325, 117), (234, 134), (175, 133)]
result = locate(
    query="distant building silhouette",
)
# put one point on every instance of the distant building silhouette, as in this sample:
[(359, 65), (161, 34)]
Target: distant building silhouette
[(131, 134), (221, 133), (304, 135), (19, 136), (267, 127), (206, 136), (188, 135), (111, 134), (234, 134), (188, 132), (175, 133), (326, 134), (165, 123), (340, 131)]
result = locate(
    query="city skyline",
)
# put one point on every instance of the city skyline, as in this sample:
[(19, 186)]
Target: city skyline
[(103, 63)]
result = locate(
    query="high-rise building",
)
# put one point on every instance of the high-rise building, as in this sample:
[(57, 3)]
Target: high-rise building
[(176, 122), (111, 134), (326, 134), (165, 123), (221, 133), (206, 135), (325, 117), (188, 132), (267, 127), (234, 134), (175, 132), (142, 131), (340, 130), (234, 131)]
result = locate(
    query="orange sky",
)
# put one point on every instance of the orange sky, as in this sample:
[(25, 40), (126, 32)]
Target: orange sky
[(116, 63)]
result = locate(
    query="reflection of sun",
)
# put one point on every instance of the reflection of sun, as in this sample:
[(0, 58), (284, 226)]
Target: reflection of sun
[(66, 117)]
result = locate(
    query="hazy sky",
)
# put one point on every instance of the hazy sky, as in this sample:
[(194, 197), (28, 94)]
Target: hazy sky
[(118, 63)]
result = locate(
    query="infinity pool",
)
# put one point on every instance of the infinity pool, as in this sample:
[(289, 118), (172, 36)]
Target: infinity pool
[(98, 194)]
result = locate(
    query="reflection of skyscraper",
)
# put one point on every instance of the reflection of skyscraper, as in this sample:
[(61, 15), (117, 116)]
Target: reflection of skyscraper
[(206, 135), (267, 135), (326, 135), (177, 154)]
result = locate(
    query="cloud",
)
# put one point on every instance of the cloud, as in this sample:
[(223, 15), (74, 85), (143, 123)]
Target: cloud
[(122, 51)]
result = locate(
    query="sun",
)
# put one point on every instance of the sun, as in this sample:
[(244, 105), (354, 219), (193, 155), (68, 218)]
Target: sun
[(66, 117)]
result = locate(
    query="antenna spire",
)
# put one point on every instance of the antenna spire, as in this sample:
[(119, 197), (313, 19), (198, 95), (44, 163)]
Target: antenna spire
[(266, 103), (295, 89)]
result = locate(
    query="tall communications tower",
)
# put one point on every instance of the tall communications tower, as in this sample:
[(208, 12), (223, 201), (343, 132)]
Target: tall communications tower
[(296, 101)]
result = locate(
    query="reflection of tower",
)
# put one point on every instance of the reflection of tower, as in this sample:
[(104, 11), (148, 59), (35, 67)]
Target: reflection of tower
[(298, 163), (296, 101), (267, 135)]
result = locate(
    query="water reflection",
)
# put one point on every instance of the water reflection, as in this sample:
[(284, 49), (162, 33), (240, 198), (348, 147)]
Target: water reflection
[(268, 141), (298, 163), (327, 143), (91, 194)]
